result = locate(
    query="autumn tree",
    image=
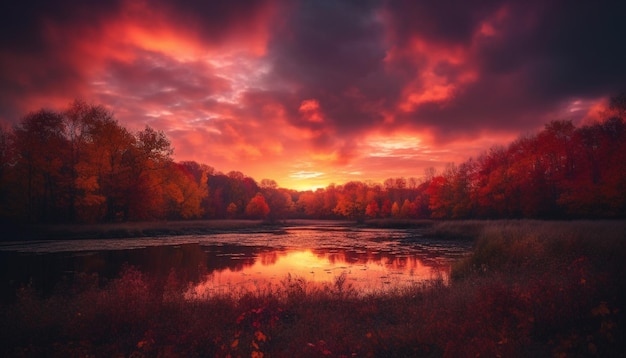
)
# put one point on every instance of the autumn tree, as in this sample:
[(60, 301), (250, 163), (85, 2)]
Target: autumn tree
[(111, 158), (408, 209), (421, 201), (218, 198), (395, 209), (352, 201), (385, 208), (463, 181), (268, 184), (40, 148), (79, 116), (440, 197), (182, 194), (7, 162), (372, 209), (85, 197), (80, 164), (330, 197), (153, 181), (257, 207), (279, 201), (232, 210), (311, 203), (595, 188), (200, 174)]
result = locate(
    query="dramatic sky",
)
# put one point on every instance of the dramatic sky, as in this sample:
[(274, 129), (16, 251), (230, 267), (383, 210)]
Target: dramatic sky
[(313, 92)]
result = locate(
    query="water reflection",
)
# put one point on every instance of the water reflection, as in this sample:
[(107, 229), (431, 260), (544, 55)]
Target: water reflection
[(366, 271), (370, 259)]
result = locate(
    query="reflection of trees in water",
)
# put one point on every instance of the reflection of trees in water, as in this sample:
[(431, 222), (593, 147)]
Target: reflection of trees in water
[(269, 258), (365, 269), (191, 263), (392, 260)]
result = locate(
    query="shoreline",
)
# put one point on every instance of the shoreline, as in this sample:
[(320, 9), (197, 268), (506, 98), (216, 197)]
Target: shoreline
[(439, 229), (182, 227)]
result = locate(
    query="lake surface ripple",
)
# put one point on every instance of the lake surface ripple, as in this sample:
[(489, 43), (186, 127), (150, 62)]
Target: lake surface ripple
[(366, 259)]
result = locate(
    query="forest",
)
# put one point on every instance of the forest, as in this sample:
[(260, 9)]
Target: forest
[(80, 165)]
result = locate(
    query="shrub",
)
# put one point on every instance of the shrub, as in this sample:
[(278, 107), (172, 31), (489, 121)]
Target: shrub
[(528, 289)]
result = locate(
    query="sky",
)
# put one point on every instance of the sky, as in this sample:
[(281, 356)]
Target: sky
[(313, 92)]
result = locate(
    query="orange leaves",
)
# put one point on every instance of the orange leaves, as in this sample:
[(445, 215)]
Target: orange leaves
[(372, 209), (257, 207), (182, 192), (80, 164)]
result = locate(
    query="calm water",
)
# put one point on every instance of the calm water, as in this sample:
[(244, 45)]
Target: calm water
[(368, 259)]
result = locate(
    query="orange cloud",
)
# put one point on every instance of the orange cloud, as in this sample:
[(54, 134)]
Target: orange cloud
[(142, 25), (443, 70), (310, 111)]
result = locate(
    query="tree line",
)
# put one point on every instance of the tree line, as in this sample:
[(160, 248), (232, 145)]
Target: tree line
[(79, 165)]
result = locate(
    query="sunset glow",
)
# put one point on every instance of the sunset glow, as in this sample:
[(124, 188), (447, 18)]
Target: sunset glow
[(368, 274), (310, 93)]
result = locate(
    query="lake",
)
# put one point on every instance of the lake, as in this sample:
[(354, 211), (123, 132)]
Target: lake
[(369, 260)]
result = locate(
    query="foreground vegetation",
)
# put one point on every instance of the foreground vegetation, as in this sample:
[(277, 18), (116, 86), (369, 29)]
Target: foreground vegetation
[(530, 288)]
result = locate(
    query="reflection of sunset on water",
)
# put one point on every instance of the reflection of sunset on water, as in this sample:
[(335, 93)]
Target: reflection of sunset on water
[(366, 259), (365, 271)]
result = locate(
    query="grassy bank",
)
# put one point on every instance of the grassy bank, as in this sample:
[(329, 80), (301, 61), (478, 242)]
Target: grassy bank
[(390, 223), (131, 229), (529, 289)]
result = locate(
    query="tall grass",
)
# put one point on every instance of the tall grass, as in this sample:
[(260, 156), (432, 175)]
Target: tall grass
[(465, 229), (529, 289), (540, 246)]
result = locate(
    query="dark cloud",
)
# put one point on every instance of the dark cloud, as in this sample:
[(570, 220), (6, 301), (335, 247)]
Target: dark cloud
[(328, 45), (24, 22), (215, 19), (313, 77), (569, 47), (32, 62), (328, 50), (449, 21), (539, 55)]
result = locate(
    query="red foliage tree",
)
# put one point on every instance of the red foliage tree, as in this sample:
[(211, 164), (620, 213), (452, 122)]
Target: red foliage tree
[(257, 207), (372, 209)]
